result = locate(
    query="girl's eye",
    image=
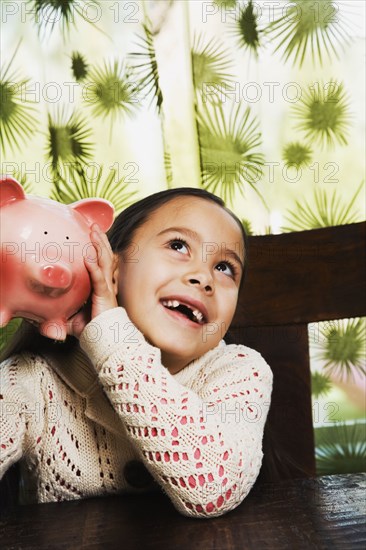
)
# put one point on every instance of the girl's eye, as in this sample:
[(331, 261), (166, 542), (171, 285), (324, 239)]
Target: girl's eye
[(227, 268), (179, 245)]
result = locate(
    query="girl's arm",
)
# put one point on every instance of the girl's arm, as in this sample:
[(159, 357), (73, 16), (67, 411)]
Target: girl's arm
[(205, 457), (202, 445), (21, 411)]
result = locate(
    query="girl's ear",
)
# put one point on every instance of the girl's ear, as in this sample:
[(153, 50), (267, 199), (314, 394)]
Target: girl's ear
[(115, 273)]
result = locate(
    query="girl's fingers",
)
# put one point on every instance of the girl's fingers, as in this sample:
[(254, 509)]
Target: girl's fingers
[(106, 241), (103, 296), (101, 243), (97, 276), (100, 264), (99, 261), (103, 239)]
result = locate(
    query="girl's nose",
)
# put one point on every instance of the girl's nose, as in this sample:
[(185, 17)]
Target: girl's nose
[(201, 279)]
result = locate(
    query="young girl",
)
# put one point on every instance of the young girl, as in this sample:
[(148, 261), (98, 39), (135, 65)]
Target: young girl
[(144, 394)]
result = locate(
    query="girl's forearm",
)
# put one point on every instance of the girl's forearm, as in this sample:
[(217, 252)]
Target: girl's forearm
[(204, 452)]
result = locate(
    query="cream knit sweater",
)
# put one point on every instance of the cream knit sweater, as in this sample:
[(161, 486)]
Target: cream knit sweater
[(112, 419)]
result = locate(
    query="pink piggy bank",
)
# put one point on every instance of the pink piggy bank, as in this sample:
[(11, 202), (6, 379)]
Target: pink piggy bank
[(42, 272)]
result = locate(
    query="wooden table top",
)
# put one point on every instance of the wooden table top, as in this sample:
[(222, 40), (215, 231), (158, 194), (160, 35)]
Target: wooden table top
[(323, 512)]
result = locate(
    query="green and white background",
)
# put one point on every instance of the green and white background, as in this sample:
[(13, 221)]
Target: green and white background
[(261, 102)]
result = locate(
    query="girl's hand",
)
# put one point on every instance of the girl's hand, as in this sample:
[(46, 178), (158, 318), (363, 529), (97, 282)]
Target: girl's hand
[(103, 270)]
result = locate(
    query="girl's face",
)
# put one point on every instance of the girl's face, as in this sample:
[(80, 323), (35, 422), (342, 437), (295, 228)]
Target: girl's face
[(179, 279)]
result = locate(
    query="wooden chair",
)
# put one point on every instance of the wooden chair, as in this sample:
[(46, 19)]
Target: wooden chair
[(293, 279)]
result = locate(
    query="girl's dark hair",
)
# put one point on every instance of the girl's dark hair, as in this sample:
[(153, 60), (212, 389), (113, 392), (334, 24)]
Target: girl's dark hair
[(120, 237), (125, 225)]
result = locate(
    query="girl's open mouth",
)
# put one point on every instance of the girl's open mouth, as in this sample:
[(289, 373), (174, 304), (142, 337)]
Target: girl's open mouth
[(184, 310)]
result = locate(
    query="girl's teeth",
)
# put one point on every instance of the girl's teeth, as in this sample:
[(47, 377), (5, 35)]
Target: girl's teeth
[(171, 303), (198, 315), (174, 303)]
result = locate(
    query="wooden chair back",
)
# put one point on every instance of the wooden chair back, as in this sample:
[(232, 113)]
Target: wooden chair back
[(295, 280)]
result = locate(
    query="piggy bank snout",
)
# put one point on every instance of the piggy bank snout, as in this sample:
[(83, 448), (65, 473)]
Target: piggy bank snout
[(51, 280), (56, 276)]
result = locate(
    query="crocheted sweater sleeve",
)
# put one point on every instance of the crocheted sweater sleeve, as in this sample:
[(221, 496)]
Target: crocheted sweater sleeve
[(21, 411), (203, 445)]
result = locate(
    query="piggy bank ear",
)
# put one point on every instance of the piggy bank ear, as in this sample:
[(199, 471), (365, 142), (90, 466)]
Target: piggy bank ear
[(98, 211), (10, 191)]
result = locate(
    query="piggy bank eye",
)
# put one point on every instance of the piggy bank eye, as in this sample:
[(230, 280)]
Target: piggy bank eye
[(67, 237), (45, 232)]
